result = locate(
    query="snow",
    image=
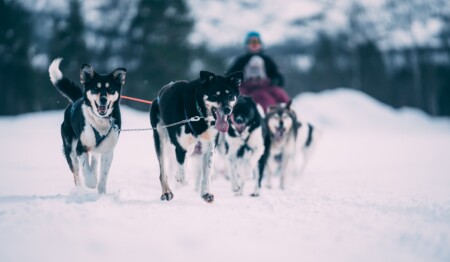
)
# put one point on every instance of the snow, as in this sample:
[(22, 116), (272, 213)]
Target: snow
[(376, 189)]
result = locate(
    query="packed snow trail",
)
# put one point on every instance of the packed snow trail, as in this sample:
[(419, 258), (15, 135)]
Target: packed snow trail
[(376, 189)]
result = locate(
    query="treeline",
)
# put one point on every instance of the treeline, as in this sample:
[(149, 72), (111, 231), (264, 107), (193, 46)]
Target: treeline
[(368, 55), (150, 39), (386, 75), (153, 47)]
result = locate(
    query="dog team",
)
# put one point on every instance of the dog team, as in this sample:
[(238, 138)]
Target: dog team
[(255, 144)]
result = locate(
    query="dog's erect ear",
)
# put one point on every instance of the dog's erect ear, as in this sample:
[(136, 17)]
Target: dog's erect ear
[(288, 105), (86, 73), (236, 78), (260, 110), (206, 77), (119, 75)]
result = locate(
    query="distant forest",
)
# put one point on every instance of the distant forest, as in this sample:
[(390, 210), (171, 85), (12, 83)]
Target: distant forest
[(153, 45)]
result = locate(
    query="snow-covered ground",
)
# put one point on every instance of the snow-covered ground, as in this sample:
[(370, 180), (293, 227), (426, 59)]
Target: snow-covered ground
[(377, 189)]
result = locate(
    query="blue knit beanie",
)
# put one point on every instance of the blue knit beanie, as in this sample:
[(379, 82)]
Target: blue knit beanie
[(252, 34)]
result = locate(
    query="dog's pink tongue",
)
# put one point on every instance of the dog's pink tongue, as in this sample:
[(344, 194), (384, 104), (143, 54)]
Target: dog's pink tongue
[(221, 122), (279, 135)]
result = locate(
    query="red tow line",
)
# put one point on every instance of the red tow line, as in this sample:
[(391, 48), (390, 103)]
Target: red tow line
[(137, 100)]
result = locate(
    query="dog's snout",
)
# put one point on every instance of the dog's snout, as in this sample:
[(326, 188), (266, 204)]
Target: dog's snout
[(226, 110), (103, 100), (239, 120)]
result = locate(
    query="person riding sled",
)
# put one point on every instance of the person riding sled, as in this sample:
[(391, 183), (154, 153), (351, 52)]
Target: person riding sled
[(262, 80)]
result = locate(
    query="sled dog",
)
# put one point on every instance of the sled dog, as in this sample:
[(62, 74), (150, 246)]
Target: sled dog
[(89, 130), (243, 144), (281, 139), (211, 98)]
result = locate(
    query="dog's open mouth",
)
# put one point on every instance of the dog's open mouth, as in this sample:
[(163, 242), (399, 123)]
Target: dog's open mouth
[(279, 133), (221, 121), (240, 127), (102, 110)]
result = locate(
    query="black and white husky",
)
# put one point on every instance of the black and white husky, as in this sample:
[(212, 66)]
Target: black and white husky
[(281, 138), (90, 121), (243, 143), (212, 98)]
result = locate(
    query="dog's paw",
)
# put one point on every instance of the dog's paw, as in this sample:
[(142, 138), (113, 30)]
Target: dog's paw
[(254, 194), (208, 197), (180, 179), (167, 196), (236, 188), (101, 190), (90, 181)]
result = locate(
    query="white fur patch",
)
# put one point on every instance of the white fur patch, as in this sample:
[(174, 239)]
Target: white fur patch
[(185, 140), (287, 121), (103, 126), (106, 84), (260, 110), (54, 72), (99, 85), (233, 101), (210, 104), (111, 99)]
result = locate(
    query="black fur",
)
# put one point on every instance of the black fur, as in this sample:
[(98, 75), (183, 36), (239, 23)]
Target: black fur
[(183, 100), (310, 137), (69, 89), (247, 111)]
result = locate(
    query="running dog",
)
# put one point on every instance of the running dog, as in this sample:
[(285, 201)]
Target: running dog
[(282, 132), (91, 121), (243, 143), (210, 99)]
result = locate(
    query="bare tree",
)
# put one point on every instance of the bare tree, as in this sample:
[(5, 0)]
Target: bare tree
[(405, 15)]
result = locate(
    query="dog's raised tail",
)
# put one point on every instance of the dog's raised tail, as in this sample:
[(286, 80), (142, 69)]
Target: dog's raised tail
[(66, 87)]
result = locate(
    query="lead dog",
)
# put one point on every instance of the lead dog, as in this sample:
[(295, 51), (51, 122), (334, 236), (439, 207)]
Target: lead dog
[(282, 130), (243, 143), (212, 98), (90, 121)]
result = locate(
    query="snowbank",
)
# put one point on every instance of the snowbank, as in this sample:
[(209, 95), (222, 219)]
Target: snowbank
[(377, 189)]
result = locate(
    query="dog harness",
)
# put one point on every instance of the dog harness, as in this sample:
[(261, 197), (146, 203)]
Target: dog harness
[(199, 111), (99, 138), (245, 147)]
